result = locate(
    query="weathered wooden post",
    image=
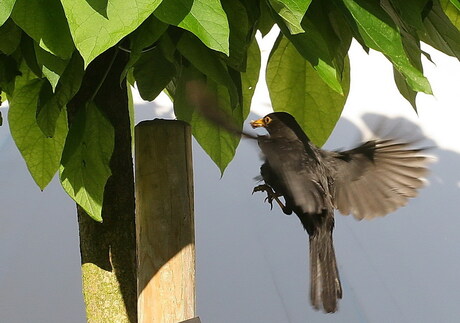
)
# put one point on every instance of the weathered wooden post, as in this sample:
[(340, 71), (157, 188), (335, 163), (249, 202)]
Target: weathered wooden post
[(164, 222)]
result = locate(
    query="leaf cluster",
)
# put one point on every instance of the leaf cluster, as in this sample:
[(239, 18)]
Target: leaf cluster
[(46, 47)]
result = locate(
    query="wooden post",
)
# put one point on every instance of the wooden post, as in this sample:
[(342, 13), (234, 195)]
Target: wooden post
[(164, 222)]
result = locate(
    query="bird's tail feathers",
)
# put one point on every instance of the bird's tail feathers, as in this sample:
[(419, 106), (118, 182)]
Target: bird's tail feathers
[(325, 284)]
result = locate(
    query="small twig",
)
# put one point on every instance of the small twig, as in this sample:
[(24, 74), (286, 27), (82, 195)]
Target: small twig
[(104, 76)]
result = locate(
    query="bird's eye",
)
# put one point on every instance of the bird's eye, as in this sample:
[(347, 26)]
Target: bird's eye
[(267, 120)]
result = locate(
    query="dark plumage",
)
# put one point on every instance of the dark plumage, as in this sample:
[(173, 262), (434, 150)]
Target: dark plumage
[(371, 180)]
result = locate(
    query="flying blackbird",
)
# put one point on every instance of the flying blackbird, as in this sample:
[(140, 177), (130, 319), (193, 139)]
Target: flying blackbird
[(371, 180)]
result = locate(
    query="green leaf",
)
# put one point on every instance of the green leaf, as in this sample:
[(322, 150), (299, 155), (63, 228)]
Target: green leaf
[(296, 87), (68, 85), (44, 21), (27, 47), (318, 44), (99, 24), (409, 12), (147, 34), (168, 43), (380, 33), (26, 75), (209, 63), (152, 73), (412, 48), (6, 6), (144, 36), (250, 78), (52, 66), (452, 10), (440, 32), (405, 90), (292, 11), (456, 3), (8, 73), (204, 18), (10, 36), (41, 153), (217, 142), (130, 77), (337, 37), (265, 22), (407, 16), (239, 33), (85, 161)]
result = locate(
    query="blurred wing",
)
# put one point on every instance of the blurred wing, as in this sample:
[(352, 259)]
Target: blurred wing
[(377, 177)]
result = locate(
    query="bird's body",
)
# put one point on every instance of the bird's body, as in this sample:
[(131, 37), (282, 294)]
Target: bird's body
[(370, 180)]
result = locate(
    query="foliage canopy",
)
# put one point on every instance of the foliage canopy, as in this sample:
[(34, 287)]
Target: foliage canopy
[(45, 47)]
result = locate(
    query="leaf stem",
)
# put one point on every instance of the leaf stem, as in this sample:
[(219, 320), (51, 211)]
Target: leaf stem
[(104, 76)]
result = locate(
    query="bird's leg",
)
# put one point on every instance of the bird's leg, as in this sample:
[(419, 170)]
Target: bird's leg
[(271, 195)]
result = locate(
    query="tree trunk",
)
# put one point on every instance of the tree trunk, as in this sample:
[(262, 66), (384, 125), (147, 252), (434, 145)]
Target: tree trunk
[(108, 249)]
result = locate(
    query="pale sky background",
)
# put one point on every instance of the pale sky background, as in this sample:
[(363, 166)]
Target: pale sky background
[(252, 262)]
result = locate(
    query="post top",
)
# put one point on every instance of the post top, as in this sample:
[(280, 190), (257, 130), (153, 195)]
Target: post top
[(157, 121)]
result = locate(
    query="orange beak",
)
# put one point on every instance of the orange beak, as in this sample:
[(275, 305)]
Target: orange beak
[(258, 123)]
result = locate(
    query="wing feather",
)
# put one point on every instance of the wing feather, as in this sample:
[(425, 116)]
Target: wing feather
[(377, 177)]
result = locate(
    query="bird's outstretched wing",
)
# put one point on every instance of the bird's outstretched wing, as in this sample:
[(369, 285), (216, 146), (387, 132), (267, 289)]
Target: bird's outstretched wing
[(377, 177)]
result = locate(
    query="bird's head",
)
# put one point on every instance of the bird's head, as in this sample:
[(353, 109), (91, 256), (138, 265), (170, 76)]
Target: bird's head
[(281, 124)]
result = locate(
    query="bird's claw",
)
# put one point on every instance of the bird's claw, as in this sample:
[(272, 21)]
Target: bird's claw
[(261, 188), (271, 195)]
